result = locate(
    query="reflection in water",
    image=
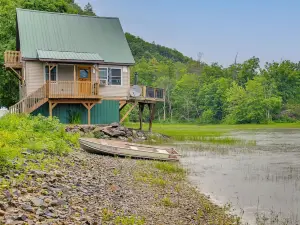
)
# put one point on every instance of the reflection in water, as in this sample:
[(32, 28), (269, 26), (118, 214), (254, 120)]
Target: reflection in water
[(263, 178)]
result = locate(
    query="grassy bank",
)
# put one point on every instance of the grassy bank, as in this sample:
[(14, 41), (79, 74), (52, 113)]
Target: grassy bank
[(25, 140), (216, 134)]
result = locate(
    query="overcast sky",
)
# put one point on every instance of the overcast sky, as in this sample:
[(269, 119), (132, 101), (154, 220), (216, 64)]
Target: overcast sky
[(268, 29)]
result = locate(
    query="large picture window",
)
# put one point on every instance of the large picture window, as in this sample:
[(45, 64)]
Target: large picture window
[(53, 74)]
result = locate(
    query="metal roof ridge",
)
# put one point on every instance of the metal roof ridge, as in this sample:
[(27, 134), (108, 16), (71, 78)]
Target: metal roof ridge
[(67, 14)]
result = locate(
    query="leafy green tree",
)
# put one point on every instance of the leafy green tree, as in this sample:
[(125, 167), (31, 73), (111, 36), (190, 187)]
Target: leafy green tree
[(253, 104)]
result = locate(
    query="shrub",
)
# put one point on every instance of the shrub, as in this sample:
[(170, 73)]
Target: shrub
[(31, 134), (207, 117)]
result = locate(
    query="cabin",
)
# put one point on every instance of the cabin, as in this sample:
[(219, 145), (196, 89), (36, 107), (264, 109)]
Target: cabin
[(74, 66)]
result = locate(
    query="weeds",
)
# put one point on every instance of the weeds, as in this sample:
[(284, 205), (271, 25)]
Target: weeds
[(166, 201), (31, 143), (214, 134)]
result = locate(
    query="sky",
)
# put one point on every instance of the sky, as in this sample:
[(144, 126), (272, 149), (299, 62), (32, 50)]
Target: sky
[(219, 29)]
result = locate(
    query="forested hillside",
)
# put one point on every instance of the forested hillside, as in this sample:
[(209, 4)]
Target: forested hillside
[(241, 93), (196, 92)]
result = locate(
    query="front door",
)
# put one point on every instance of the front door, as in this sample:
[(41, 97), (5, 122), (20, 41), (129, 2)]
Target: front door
[(84, 78)]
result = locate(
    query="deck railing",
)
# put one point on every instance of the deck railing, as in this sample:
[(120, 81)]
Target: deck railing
[(12, 59), (31, 102), (150, 93), (72, 89)]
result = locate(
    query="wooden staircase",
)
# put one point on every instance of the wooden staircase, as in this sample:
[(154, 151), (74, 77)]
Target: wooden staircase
[(31, 102)]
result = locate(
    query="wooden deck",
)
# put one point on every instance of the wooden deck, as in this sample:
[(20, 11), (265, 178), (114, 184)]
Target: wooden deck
[(149, 95), (12, 59)]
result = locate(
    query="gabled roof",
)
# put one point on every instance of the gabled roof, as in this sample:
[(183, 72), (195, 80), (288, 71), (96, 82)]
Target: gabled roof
[(69, 36)]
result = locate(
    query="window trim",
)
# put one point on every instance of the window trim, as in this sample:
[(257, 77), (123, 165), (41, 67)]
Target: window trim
[(118, 85), (118, 68), (44, 67), (98, 76)]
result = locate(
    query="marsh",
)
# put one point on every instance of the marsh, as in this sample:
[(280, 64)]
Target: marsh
[(261, 181)]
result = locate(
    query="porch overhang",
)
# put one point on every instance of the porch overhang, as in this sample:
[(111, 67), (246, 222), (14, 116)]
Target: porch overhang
[(71, 57)]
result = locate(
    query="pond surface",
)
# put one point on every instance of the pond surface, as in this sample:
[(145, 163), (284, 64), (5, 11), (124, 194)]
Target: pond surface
[(263, 179)]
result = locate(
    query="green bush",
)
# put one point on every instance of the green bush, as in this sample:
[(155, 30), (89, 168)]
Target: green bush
[(33, 134), (207, 117)]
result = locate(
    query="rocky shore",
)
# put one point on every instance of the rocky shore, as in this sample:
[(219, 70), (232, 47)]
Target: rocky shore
[(116, 131), (84, 188)]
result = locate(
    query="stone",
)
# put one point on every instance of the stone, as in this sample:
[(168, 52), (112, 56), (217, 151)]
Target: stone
[(113, 132), (38, 173), (97, 129), (58, 202), (3, 206), (2, 213), (39, 212), (114, 125), (22, 217), (37, 201), (27, 208)]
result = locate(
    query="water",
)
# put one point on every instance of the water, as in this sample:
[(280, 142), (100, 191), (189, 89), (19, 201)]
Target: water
[(262, 179)]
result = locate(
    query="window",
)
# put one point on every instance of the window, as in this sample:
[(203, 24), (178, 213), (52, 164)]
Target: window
[(103, 73), (115, 77), (84, 74), (53, 73), (112, 76)]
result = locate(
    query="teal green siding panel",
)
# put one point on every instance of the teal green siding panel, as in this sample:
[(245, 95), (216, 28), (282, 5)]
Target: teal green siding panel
[(104, 113)]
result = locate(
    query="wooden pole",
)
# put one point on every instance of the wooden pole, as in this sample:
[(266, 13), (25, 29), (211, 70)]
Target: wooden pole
[(152, 113), (89, 106), (141, 110), (50, 109)]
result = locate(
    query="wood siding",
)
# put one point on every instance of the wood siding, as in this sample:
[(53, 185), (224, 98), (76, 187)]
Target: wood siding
[(66, 72), (117, 91), (35, 79), (34, 76)]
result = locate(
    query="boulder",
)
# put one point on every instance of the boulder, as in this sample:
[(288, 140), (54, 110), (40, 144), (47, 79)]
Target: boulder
[(114, 125), (113, 132)]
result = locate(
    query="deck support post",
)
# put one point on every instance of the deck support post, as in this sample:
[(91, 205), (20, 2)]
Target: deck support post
[(51, 107), (141, 110), (152, 113), (89, 106)]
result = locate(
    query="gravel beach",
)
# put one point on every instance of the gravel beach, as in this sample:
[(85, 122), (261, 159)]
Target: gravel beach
[(84, 188)]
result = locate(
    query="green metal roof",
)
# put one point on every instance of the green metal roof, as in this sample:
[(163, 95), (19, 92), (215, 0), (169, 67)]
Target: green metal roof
[(68, 56), (57, 32)]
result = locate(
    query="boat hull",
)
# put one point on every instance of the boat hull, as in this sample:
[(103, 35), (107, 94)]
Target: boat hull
[(109, 147)]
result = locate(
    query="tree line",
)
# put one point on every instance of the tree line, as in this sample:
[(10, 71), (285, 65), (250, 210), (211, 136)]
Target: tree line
[(198, 92)]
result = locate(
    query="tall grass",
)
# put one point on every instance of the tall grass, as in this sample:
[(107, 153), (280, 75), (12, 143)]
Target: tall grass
[(22, 136), (215, 134)]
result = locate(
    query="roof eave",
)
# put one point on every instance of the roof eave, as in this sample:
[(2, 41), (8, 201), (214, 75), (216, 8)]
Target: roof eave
[(79, 61)]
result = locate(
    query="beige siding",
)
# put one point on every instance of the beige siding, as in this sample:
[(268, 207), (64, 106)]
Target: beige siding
[(35, 79), (34, 76), (116, 91), (66, 72)]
